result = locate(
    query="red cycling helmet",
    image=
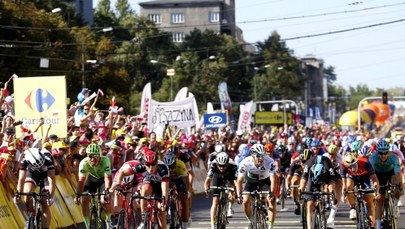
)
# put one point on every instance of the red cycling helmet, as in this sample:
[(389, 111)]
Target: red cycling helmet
[(150, 157)]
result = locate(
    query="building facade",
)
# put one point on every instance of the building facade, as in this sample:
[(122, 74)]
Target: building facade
[(179, 17)]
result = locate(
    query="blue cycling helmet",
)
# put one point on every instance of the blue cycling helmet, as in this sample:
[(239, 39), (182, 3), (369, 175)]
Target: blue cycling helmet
[(315, 143), (365, 151), (351, 139), (356, 145), (244, 150), (383, 146), (318, 171), (308, 141)]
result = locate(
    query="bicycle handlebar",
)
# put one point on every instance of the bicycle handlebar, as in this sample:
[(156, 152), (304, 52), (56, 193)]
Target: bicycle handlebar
[(222, 188), (256, 192), (365, 191), (317, 193), (33, 194)]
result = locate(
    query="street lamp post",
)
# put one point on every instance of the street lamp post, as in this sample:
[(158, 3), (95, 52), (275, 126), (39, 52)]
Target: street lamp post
[(84, 69), (169, 72)]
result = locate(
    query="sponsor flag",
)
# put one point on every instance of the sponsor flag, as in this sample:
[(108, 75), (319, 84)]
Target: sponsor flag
[(245, 117), (145, 104), (181, 94), (225, 99)]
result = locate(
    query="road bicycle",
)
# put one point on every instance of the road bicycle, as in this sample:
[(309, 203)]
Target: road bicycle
[(362, 220), (129, 215), (259, 208), (388, 220), (319, 217), (174, 208), (35, 214), (151, 220), (283, 190), (97, 220), (221, 219)]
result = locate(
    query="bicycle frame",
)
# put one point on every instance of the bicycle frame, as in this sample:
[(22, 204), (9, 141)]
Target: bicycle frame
[(259, 208), (221, 219), (127, 215), (35, 215), (173, 218), (388, 219), (151, 211), (319, 221), (362, 220), (96, 210)]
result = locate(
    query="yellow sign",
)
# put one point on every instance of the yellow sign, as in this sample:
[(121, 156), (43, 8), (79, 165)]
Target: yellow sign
[(37, 98), (272, 118)]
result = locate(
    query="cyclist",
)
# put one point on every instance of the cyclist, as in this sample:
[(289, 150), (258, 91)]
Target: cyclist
[(388, 169), (358, 170), (294, 176), (316, 147), (94, 173), (220, 173), (336, 159), (155, 183), (179, 178), (125, 182), (259, 172), (37, 169), (318, 171)]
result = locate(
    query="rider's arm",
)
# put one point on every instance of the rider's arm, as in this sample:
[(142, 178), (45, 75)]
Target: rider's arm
[(239, 182), (165, 190), (52, 182), (107, 174), (376, 184), (21, 180)]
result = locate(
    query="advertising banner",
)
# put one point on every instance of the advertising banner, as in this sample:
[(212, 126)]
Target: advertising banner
[(37, 98), (214, 121)]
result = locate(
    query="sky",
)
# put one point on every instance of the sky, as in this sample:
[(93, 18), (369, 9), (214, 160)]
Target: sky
[(364, 40)]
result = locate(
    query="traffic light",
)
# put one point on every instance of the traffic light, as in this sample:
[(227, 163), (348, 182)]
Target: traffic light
[(385, 97)]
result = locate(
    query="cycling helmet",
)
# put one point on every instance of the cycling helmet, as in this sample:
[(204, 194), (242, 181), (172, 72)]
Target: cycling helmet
[(257, 149), (245, 151), (281, 149), (351, 139), (219, 148), (169, 159), (318, 171), (383, 146), (222, 158), (34, 157), (315, 143), (173, 149), (93, 149), (305, 155), (241, 147), (308, 141), (128, 179), (350, 158), (355, 146), (332, 149), (291, 140), (150, 157), (365, 150), (269, 147)]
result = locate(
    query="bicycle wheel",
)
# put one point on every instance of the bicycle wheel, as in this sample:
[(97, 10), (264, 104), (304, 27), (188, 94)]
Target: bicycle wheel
[(221, 207), (362, 217), (93, 219), (317, 219), (388, 215), (282, 192), (172, 216), (121, 220), (130, 219), (38, 220), (304, 215), (30, 221)]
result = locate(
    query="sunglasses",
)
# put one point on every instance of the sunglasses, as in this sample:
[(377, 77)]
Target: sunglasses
[(222, 166), (382, 153), (93, 156), (291, 144), (150, 164), (315, 148), (352, 166), (258, 156)]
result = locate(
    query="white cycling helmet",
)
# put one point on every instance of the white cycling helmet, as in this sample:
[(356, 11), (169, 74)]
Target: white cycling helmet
[(169, 159), (258, 149), (34, 157), (219, 148), (222, 158), (128, 179)]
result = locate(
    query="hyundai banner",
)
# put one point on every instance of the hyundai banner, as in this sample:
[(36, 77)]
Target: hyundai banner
[(214, 121)]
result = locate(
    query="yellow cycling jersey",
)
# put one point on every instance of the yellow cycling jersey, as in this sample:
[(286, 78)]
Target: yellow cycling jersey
[(179, 170)]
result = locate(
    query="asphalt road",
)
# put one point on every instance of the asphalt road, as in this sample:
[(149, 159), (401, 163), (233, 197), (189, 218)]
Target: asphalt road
[(284, 219)]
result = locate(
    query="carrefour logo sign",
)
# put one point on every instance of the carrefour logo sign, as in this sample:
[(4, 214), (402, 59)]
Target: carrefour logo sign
[(39, 100)]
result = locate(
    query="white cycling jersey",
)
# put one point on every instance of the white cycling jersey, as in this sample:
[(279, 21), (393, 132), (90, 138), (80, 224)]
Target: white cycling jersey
[(248, 168)]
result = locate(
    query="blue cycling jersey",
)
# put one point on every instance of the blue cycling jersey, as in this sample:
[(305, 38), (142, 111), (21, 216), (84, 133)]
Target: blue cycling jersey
[(392, 163)]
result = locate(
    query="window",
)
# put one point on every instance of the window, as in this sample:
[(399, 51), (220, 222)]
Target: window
[(155, 18), (178, 18), (213, 17), (178, 37)]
